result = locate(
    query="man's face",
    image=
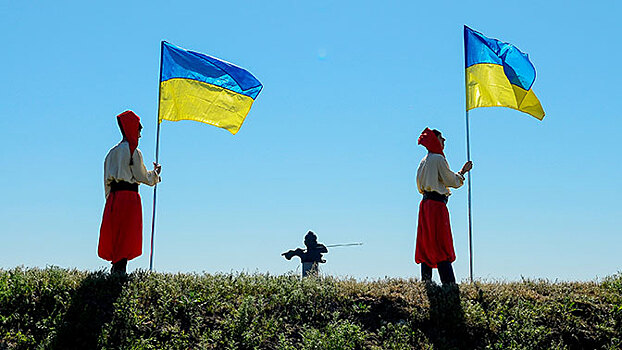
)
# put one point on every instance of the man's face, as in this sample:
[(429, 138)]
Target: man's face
[(441, 139)]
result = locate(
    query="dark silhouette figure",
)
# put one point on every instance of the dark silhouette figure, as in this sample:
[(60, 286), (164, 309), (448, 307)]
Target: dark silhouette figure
[(311, 257)]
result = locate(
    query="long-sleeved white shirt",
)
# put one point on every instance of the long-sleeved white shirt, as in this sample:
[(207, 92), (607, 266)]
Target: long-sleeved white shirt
[(117, 167), (435, 175)]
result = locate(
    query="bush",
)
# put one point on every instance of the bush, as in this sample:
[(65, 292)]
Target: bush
[(56, 308)]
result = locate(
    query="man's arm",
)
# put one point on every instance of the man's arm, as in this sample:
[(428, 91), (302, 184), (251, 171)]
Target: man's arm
[(140, 173), (291, 253), (448, 177), (466, 168)]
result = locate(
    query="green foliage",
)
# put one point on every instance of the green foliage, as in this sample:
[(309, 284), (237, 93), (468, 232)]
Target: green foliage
[(336, 335), (55, 308)]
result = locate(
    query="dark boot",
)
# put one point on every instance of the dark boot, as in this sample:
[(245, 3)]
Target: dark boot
[(426, 273), (119, 267), (446, 272)]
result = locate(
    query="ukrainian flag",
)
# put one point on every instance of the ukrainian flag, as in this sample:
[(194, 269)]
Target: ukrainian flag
[(194, 86), (498, 75)]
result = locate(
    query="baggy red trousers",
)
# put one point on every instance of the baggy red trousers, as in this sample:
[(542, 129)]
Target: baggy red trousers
[(434, 241), (121, 232)]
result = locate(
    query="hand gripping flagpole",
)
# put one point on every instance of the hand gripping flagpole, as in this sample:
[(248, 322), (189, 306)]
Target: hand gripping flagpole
[(157, 154)]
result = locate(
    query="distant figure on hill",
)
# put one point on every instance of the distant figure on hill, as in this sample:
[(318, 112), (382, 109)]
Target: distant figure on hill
[(311, 257), (121, 232), (435, 247)]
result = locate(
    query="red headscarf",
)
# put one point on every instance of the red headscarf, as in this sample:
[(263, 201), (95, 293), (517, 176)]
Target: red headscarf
[(129, 123), (430, 141)]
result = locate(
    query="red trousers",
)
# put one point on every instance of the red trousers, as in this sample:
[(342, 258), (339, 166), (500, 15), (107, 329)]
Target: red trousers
[(121, 232), (434, 241)]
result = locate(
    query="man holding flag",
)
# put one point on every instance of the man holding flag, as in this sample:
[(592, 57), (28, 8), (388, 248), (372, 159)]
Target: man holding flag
[(121, 232), (435, 247)]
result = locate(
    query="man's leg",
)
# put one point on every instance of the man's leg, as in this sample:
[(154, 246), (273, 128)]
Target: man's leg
[(123, 267), (119, 267), (446, 272), (426, 272)]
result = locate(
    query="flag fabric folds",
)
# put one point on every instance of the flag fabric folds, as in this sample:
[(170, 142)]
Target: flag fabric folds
[(498, 75), (194, 86)]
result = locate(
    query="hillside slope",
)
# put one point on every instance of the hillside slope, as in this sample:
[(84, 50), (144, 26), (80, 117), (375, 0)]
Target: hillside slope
[(71, 309)]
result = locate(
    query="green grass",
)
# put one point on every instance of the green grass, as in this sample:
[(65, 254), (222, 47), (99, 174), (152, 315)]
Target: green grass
[(70, 309)]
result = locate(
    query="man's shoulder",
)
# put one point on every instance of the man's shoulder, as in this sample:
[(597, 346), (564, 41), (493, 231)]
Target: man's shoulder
[(433, 158), (431, 161), (122, 146)]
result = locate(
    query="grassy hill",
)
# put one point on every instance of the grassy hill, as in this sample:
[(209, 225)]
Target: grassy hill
[(71, 309)]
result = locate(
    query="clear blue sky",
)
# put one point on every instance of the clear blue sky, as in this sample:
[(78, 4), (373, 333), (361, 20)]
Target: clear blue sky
[(330, 143)]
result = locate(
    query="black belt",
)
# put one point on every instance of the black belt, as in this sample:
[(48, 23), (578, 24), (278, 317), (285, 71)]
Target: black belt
[(123, 186), (435, 196)]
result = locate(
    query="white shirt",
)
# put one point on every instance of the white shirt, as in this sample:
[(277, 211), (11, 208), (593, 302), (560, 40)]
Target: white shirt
[(435, 175), (117, 167)]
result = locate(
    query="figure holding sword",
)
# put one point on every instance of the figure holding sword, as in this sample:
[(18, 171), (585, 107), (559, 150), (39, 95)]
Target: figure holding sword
[(312, 256)]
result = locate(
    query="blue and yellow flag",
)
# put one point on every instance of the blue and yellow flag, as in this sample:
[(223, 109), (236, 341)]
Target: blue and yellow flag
[(194, 86), (498, 75)]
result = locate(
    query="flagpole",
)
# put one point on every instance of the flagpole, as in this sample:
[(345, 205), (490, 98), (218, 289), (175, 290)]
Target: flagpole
[(468, 147), (469, 200), (157, 155)]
